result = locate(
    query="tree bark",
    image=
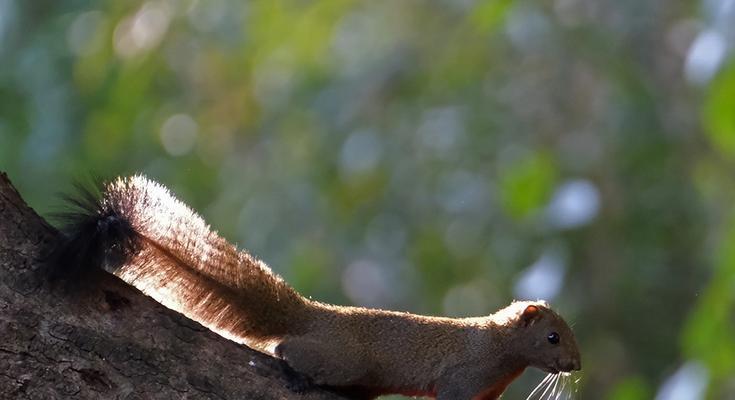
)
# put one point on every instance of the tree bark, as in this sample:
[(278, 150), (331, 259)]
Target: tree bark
[(102, 339)]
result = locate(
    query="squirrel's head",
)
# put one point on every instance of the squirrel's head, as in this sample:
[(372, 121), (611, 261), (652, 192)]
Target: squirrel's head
[(546, 340)]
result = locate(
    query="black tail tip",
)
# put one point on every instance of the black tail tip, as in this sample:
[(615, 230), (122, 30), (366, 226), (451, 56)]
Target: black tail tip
[(94, 234)]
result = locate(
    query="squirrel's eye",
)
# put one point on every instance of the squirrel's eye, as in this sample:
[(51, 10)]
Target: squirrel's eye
[(553, 338)]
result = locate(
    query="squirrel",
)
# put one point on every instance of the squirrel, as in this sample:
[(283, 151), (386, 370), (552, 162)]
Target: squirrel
[(137, 230)]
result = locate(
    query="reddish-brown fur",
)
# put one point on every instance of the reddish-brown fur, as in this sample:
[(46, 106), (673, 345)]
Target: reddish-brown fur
[(493, 392)]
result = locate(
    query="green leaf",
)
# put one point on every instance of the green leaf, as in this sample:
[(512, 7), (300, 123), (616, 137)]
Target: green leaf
[(719, 112), (489, 14), (526, 186), (711, 321), (633, 388)]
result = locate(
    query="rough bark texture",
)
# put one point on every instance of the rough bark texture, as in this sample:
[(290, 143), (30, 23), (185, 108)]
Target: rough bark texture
[(102, 339)]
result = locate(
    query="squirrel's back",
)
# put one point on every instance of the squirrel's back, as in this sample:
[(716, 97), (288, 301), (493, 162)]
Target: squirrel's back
[(138, 231)]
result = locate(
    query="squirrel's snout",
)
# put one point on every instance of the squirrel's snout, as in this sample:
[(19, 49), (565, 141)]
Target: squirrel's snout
[(571, 364)]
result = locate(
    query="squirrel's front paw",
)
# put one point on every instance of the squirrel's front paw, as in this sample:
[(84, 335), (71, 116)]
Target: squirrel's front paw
[(296, 381)]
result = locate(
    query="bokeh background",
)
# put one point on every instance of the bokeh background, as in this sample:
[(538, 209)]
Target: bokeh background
[(438, 157)]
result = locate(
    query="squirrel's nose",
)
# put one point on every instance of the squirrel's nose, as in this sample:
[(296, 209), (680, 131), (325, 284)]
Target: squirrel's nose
[(570, 364)]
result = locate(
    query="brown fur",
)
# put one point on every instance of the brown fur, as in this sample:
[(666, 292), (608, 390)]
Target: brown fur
[(186, 266)]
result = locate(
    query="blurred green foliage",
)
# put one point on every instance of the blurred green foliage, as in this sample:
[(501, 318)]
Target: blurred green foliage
[(440, 157)]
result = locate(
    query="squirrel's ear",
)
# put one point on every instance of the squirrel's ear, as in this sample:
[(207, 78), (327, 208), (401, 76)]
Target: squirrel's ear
[(530, 314)]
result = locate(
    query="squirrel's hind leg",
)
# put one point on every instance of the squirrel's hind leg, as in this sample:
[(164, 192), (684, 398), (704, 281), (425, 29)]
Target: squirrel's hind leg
[(322, 362)]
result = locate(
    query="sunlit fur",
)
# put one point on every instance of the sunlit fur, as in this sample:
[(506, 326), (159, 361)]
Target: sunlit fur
[(178, 260)]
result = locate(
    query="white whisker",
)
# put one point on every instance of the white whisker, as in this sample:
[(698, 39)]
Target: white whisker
[(569, 386), (553, 390), (537, 388), (564, 378), (555, 377), (540, 386)]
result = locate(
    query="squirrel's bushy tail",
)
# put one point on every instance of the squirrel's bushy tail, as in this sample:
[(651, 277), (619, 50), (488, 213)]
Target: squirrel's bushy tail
[(140, 232)]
